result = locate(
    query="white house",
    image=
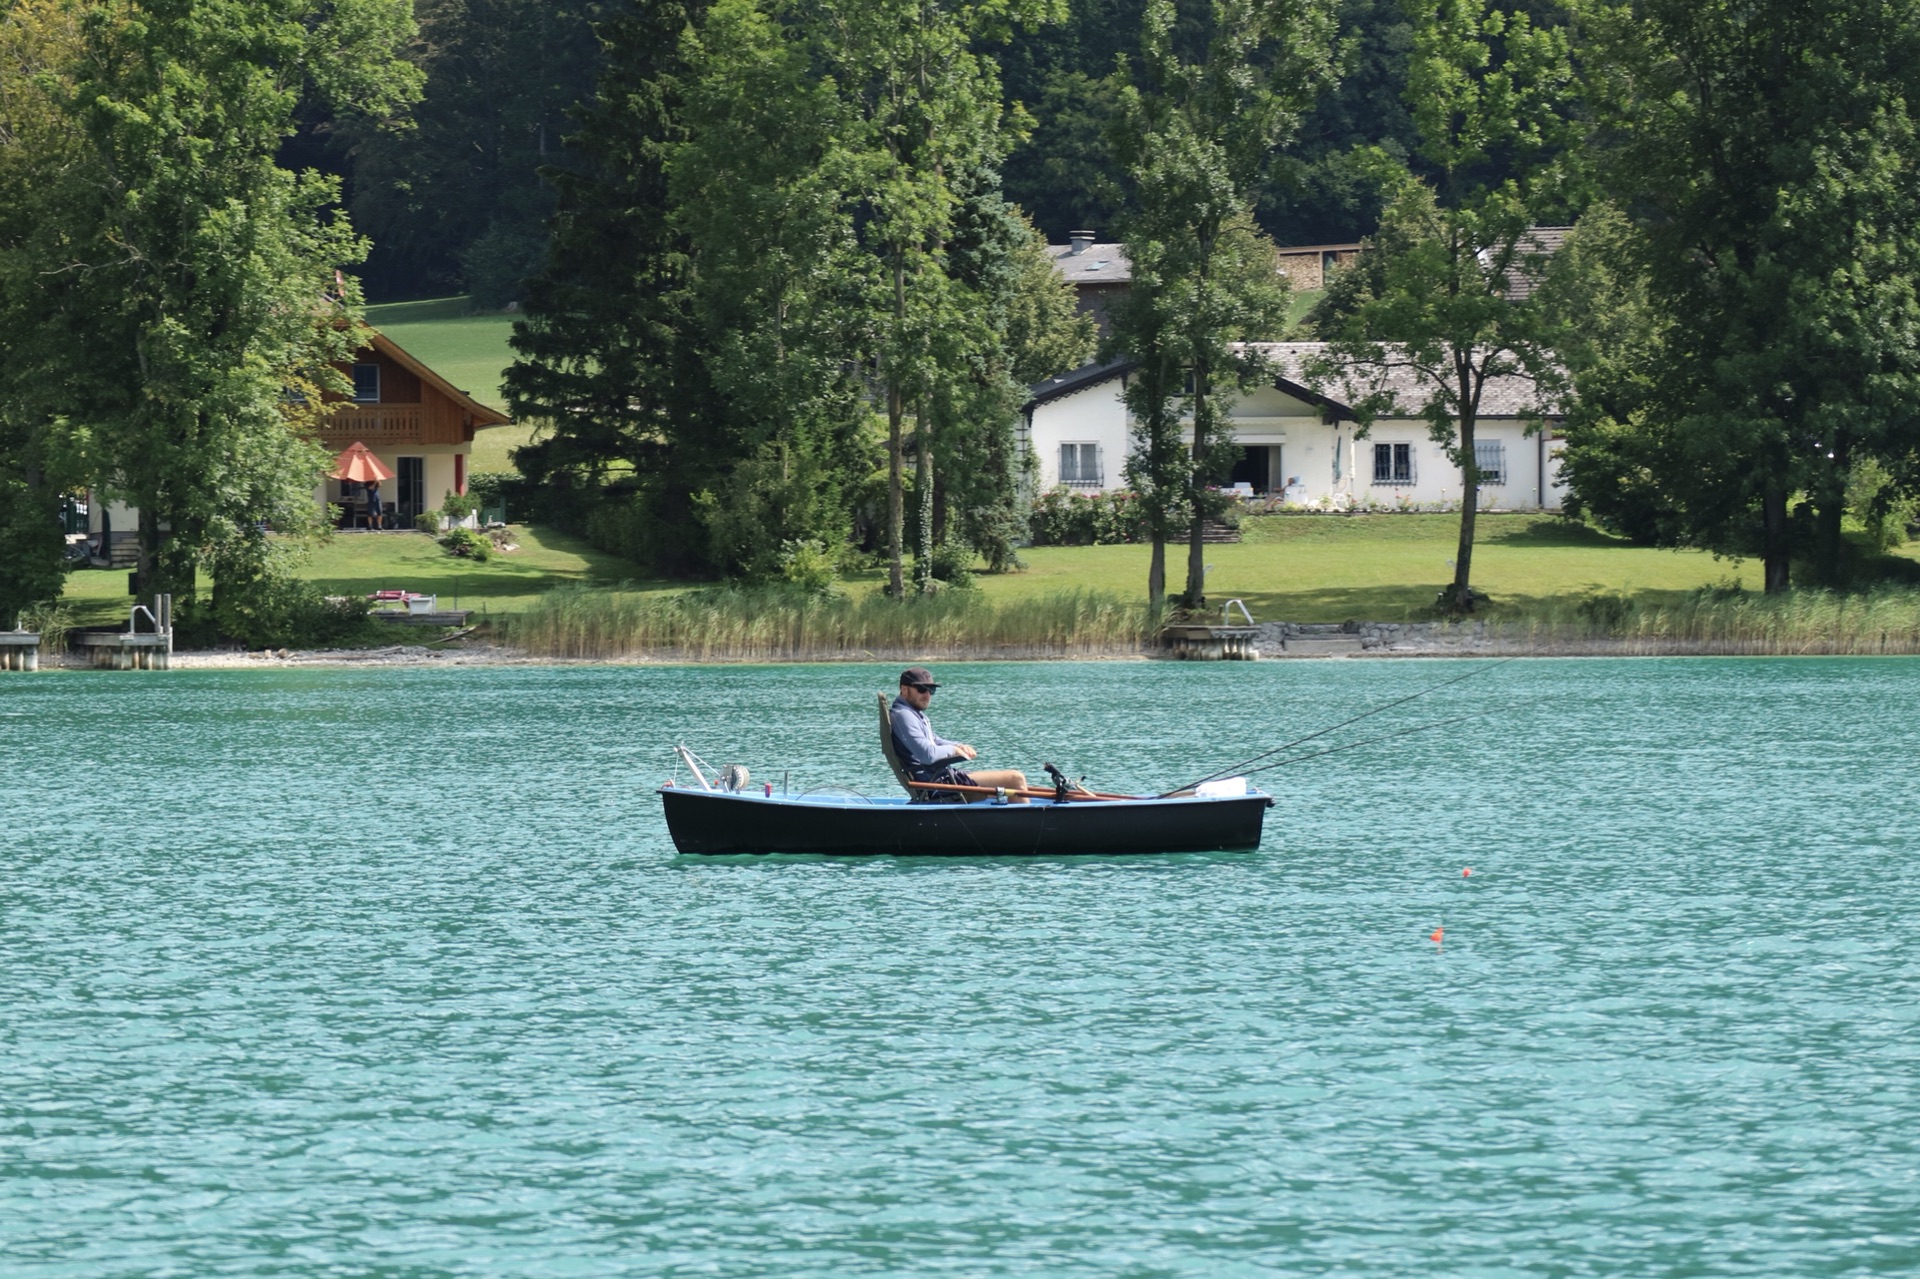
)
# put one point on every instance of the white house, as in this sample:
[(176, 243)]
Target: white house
[(1304, 446)]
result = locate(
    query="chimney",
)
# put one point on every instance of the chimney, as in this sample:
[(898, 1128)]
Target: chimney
[(1082, 241)]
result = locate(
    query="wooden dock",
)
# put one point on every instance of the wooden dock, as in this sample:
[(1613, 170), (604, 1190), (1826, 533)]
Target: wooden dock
[(1210, 643), (19, 651), (406, 617), (126, 651), (133, 649)]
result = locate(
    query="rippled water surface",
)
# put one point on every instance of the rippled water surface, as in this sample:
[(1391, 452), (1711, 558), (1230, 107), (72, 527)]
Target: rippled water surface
[(394, 972)]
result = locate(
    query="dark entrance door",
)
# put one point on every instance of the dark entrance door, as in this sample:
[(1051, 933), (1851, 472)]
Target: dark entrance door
[(411, 499), (1252, 467)]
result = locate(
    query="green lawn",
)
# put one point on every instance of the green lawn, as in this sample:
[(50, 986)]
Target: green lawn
[(1290, 568), (468, 350), (361, 563), (1327, 568)]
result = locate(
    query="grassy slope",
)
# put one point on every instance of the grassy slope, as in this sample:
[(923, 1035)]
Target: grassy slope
[(470, 351), (359, 564)]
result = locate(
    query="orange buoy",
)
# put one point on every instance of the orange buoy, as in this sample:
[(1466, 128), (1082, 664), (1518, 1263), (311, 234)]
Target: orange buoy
[(1468, 871), (1436, 934)]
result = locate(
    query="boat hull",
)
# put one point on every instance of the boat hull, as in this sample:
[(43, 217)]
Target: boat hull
[(718, 822)]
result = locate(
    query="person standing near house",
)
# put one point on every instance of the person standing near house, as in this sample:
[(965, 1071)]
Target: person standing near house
[(929, 757), (375, 517)]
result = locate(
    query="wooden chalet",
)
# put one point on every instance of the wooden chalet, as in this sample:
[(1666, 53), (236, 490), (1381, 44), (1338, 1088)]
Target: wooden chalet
[(417, 423)]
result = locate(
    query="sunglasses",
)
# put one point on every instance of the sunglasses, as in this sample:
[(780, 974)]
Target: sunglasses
[(923, 688)]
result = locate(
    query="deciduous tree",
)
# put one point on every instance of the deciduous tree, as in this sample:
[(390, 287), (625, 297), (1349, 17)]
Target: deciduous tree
[(1442, 296), (1194, 139)]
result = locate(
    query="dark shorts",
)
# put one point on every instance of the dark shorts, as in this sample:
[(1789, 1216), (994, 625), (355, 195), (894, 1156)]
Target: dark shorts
[(951, 777)]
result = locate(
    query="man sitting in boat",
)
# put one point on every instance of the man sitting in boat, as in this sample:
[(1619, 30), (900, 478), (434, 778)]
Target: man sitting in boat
[(929, 757)]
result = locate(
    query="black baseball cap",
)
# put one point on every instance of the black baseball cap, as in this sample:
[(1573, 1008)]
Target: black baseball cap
[(918, 675)]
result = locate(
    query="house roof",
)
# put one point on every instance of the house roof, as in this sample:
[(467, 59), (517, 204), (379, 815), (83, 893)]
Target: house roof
[(1075, 380), (1094, 264), (483, 415), (1511, 396), (1538, 243)]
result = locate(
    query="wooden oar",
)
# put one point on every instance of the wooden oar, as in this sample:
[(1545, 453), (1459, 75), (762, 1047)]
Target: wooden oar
[(1025, 792)]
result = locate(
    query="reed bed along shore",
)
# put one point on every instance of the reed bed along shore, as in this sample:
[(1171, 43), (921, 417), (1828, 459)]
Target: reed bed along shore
[(1720, 623), (745, 625)]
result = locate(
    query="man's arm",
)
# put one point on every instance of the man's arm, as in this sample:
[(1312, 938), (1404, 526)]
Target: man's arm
[(925, 748)]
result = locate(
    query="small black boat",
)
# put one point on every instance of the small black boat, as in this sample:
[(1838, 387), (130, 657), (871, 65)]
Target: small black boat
[(1218, 817), (719, 821)]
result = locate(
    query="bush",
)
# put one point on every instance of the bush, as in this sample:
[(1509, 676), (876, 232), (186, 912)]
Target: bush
[(1062, 517), (468, 544), (809, 565), (458, 506), (428, 521), (286, 612), (953, 564)]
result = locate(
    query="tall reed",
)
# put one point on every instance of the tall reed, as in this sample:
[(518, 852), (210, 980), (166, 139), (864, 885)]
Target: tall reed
[(1718, 622), (740, 624)]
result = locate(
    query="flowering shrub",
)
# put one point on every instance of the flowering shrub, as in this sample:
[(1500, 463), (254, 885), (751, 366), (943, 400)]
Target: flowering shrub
[(1062, 517)]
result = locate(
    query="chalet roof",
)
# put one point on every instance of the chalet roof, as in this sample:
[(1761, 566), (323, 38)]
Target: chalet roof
[(1510, 397), (1082, 263), (483, 415)]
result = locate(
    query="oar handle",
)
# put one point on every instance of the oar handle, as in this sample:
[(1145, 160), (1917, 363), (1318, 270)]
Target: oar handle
[(1027, 792)]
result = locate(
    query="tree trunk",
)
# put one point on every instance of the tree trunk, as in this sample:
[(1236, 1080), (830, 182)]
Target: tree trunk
[(896, 504), (1775, 545), (896, 466), (1196, 596), (1157, 576), (1460, 594), (923, 492)]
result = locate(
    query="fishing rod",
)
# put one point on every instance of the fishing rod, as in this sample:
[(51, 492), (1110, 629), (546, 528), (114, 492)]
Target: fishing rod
[(1302, 741), (1368, 741)]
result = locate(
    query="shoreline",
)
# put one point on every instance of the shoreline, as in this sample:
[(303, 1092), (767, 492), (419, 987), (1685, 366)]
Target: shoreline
[(422, 656)]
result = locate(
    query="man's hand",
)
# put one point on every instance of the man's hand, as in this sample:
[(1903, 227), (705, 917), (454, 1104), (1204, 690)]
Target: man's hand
[(966, 752)]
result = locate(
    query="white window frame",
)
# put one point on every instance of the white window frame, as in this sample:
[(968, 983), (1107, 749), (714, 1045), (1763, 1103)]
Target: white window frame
[(1490, 459), (1396, 475), (1087, 470), (358, 398)]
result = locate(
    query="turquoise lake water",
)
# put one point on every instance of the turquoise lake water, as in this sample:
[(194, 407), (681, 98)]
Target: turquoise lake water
[(395, 973)]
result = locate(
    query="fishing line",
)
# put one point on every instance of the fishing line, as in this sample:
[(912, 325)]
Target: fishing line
[(1302, 741), (1367, 741)]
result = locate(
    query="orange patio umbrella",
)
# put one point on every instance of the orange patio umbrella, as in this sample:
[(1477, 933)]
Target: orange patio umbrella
[(358, 463)]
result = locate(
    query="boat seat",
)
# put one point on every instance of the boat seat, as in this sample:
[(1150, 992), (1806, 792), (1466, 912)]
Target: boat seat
[(886, 746)]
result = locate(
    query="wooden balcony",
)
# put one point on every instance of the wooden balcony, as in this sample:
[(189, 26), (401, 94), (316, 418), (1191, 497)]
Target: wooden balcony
[(376, 425)]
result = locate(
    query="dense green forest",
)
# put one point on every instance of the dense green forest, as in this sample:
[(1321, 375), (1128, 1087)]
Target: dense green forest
[(780, 268)]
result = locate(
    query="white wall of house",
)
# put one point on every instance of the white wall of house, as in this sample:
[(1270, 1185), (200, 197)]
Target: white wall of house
[(438, 472), (1396, 464), (1094, 418)]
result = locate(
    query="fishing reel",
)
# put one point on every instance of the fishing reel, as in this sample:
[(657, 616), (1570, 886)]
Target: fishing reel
[(1060, 783)]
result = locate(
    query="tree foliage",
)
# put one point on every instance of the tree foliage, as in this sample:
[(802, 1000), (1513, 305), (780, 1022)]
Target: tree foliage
[(1766, 152), (182, 272), (1443, 303), (1194, 138)]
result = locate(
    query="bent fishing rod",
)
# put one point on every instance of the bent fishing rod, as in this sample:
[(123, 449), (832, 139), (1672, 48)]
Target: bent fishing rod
[(1302, 741)]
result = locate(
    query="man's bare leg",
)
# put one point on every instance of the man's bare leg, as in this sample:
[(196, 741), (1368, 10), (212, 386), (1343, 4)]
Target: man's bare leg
[(1010, 778)]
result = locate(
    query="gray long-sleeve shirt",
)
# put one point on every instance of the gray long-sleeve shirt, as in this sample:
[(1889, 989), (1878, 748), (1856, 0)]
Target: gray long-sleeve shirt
[(924, 752)]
